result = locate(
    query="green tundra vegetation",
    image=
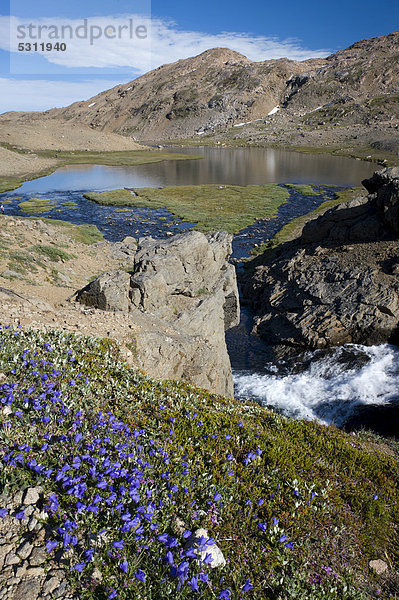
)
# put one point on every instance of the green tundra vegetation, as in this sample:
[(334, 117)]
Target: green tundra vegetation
[(211, 207)]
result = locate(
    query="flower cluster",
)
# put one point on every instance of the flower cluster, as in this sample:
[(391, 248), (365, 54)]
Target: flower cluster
[(132, 469)]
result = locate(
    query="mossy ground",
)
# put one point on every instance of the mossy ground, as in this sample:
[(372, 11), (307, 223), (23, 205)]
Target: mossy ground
[(297, 508), (211, 207), (36, 205)]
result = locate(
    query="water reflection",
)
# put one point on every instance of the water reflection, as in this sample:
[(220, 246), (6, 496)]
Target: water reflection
[(238, 166)]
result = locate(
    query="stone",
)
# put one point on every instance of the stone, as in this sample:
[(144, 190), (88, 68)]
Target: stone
[(27, 589), (60, 591), (5, 549), (378, 566), (97, 575), (186, 285), (9, 274), (38, 556), (31, 496), (307, 298), (50, 585), (35, 571), (198, 542), (110, 292), (32, 523), (21, 571), (11, 559), (24, 550), (28, 510)]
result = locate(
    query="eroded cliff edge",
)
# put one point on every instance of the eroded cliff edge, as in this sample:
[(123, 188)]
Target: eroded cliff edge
[(187, 291), (339, 281)]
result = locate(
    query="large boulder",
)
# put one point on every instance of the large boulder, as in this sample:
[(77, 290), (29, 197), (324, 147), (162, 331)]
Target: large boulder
[(322, 300), (109, 291), (187, 282)]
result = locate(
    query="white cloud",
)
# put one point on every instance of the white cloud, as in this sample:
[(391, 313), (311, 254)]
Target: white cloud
[(27, 95), (164, 42)]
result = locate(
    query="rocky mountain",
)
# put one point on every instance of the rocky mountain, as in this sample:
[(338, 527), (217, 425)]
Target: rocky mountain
[(221, 88), (215, 89), (339, 281)]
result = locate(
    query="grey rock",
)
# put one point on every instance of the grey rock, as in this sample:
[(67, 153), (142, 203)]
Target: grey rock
[(185, 284), (60, 591), (312, 296), (28, 510), (38, 557), (9, 274), (31, 496), (378, 566), (110, 292), (35, 571), (32, 523), (27, 589), (50, 585), (11, 559), (4, 550), (24, 550), (21, 571), (18, 497), (97, 575)]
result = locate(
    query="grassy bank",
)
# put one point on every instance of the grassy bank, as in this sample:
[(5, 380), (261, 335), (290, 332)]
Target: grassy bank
[(115, 159), (84, 234), (130, 466), (211, 207), (293, 229)]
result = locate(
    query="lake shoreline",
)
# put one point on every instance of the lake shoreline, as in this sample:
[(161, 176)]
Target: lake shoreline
[(10, 183)]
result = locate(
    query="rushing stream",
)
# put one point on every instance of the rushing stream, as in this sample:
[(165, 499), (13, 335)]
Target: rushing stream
[(352, 386)]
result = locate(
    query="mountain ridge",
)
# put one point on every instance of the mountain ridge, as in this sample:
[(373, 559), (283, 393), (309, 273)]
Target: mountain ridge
[(353, 94)]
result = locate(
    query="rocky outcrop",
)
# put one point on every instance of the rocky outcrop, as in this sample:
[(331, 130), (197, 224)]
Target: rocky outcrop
[(339, 282), (366, 218), (186, 285)]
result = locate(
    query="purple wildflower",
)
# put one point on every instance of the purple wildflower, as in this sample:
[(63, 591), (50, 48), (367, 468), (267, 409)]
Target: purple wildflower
[(247, 586)]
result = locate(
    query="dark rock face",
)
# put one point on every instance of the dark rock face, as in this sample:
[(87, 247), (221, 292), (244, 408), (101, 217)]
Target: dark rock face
[(339, 282), (384, 185), (185, 286)]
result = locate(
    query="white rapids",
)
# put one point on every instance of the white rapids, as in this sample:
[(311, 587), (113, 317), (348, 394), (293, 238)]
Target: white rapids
[(329, 388)]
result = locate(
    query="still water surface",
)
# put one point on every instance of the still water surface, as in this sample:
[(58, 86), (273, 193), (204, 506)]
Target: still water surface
[(236, 166)]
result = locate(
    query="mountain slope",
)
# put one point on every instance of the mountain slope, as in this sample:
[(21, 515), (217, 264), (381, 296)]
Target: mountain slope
[(348, 99), (217, 88)]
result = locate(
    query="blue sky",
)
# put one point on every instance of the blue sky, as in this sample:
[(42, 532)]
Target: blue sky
[(39, 80)]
